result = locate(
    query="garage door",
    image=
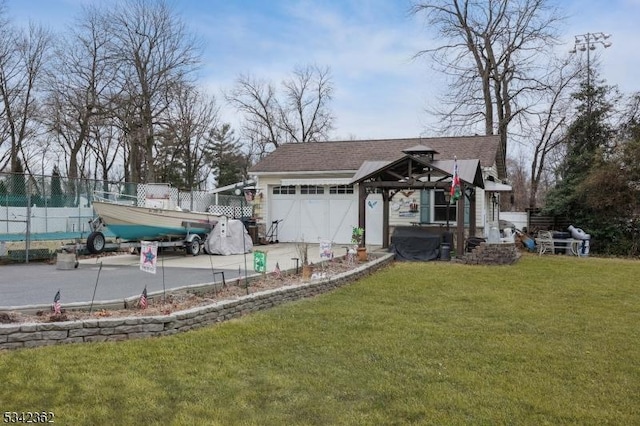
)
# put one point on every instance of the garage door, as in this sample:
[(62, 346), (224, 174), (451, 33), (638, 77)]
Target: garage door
[(314, 217)]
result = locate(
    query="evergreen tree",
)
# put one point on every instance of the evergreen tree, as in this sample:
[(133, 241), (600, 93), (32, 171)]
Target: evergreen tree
[(57, 195), (227, 160), (588, 144)]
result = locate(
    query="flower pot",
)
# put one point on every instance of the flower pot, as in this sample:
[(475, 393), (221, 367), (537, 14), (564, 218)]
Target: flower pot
[(362, 254)]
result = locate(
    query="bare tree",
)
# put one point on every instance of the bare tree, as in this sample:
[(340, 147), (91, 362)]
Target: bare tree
[(301, 114), (305, 115), (256, 100), (107, 145), (519, 179), (183, 138), (489, 52), (155, 53), (23, 57), (548, 124), (79, 87)]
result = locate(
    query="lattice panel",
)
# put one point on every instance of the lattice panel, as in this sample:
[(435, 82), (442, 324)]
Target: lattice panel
[(145, 191), (231, 211)]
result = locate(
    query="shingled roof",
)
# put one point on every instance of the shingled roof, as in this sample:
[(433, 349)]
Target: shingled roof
[(349, 155)]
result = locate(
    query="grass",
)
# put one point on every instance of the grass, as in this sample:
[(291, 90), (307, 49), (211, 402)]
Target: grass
[(551, 340)]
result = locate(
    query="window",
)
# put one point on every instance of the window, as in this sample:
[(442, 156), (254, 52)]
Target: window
[(282, 190), (440, 207), (341, 189), (311, 189)]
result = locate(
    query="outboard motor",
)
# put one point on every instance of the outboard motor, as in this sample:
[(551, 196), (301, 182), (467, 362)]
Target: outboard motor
[(579, 234)]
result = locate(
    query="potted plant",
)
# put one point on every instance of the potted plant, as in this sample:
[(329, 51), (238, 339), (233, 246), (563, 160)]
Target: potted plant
[(357, 239)]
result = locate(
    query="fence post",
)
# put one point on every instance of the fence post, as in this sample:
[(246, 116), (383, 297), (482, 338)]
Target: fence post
[(28, 220)]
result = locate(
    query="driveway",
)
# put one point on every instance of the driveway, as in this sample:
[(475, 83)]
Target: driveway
[(119, 277)]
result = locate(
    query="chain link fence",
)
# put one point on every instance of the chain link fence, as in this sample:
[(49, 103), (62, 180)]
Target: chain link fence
[(36, 208)]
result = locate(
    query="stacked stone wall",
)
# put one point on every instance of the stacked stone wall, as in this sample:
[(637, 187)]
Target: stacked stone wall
[(26, 335), (492, 254)]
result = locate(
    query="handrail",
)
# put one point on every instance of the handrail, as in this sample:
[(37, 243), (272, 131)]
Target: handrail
[(114, 197)]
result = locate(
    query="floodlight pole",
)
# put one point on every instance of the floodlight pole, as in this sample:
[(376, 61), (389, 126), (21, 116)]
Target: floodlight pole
[(588, 42)]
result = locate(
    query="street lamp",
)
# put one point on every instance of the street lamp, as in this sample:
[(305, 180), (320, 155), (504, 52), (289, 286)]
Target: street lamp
[(494, 203)]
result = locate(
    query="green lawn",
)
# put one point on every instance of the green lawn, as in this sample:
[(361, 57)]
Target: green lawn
[(551, 340)]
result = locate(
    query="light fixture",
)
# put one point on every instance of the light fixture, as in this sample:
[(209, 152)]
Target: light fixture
[(588, 42)]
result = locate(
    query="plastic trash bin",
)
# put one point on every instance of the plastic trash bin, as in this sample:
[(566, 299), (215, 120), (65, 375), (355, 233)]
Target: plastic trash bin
[(445, 251)]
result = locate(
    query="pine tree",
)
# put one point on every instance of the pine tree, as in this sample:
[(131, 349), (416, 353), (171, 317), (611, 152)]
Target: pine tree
[(227, 160), (588, 143), (57, 195)]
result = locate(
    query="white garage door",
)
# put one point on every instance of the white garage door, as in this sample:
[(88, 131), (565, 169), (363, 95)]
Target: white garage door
[(314, 217)]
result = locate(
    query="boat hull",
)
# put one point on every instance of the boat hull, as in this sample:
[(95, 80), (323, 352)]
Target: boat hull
[(132, 223)]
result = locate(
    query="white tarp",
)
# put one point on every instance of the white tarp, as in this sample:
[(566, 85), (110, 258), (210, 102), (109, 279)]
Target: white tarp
[(229, 236)]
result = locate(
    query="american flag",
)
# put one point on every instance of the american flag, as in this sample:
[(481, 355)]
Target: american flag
[(56, 303), (455, 191), (143, 299), (277, 272)]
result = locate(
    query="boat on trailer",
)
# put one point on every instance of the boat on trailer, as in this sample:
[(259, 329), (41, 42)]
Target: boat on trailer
[(157, 220)]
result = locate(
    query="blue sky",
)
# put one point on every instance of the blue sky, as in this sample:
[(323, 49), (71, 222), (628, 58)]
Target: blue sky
[(380, 91)]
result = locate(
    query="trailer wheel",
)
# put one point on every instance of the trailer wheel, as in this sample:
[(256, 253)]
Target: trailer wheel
[(193, 246), (96, 242)]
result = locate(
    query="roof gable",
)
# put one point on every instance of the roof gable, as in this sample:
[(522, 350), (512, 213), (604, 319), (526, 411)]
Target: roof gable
[(468, 170), (350, 155)]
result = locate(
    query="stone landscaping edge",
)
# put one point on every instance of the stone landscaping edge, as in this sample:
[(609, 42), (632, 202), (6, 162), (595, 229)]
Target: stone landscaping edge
[(27, 335)]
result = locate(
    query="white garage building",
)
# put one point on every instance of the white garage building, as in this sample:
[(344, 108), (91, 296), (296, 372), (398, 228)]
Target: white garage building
[(308, 190)]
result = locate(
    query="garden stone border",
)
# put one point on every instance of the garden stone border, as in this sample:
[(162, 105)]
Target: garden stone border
[(28, 335)]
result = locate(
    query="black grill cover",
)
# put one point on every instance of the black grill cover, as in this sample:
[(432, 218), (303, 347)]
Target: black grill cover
[(415, 243)]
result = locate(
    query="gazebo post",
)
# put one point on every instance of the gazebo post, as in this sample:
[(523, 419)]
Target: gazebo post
[(362, 199), (472, 212), (385, 218)]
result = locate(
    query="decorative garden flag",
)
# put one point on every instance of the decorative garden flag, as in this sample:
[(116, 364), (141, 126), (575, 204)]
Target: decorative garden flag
[(456, 192), (56, 303), (325, 250), (259, 261), (148, 256)]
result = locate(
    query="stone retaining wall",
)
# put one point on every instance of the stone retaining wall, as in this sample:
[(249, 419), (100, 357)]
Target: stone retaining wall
[(492, 254), (26, 335)]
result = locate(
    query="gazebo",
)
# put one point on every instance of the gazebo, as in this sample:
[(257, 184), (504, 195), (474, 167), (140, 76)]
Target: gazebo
[(418, 170)]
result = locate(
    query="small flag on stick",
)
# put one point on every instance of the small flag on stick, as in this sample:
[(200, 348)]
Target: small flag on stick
[(56, 303), (277, 272), (143, 302)]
